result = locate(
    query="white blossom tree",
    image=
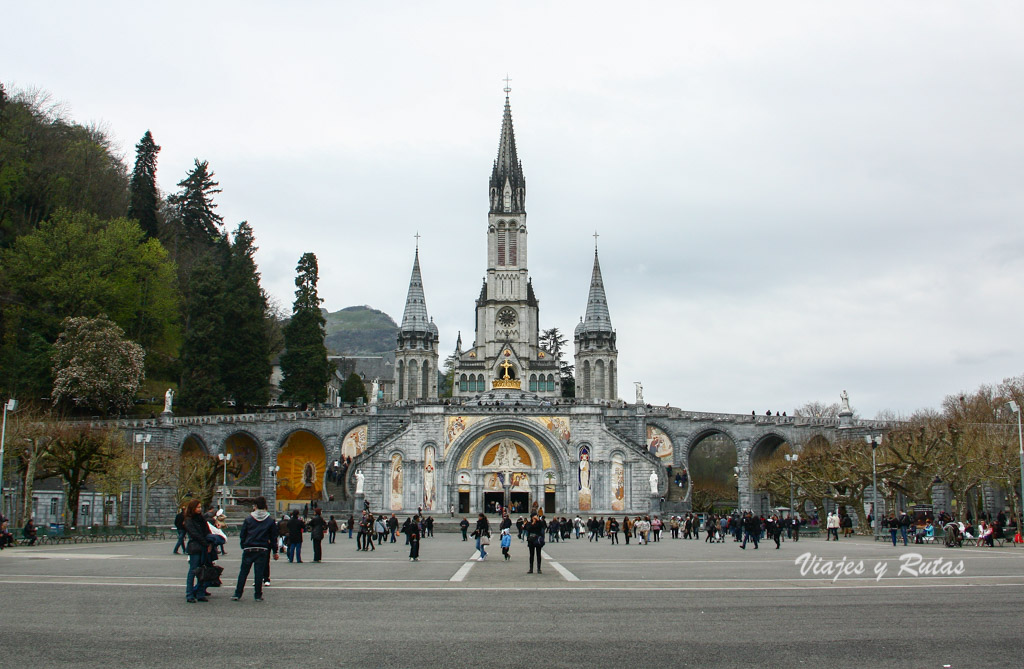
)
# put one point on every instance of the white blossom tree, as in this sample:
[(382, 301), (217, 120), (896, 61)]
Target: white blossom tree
[(95, 366)]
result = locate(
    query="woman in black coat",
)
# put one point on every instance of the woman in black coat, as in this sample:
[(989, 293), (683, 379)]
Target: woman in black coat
[(199, 550), (483, 529), (535, 539)]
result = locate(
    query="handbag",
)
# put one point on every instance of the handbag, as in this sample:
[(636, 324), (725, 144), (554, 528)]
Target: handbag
[(210, 574), (485, 540)]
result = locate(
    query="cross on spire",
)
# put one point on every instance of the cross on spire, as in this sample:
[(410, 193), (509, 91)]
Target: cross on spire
[(595, 239), (508, 89), (417, 236)]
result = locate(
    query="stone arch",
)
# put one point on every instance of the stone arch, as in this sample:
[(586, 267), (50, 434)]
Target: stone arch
[(425, 392), (194, 445), (248, 454), (303, 462), (599, 380), (767, 445), (817, 441), (712, 474)]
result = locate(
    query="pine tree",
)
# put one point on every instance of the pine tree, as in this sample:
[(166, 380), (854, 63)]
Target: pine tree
[(194, 204), (304, 363), (353, 389), (144, 199), (202, 387), (246, 352)]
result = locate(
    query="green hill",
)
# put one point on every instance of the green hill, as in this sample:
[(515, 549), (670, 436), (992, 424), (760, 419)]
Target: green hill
[(360, 331)]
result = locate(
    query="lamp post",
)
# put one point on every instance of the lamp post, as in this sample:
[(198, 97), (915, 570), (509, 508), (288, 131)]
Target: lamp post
[(1020, 440), (225, 458), (143, 439), (791, 458), (11, 405), (273, 470), (875, 441)]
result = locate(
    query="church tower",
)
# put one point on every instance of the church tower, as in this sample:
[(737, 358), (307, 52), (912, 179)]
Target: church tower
[(506, 352), (416, 356), (596, 355)]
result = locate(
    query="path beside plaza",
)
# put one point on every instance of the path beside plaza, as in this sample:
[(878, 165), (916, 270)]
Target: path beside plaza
[(684, 603)]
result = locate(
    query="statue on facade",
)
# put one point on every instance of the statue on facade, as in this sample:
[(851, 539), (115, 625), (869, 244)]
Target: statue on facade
[(359, 482), (168, 400), (845, 399), (376, 389), (639, 392), (654, 483)]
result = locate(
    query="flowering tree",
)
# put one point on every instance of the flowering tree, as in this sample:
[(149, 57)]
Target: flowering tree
[(95, 366)]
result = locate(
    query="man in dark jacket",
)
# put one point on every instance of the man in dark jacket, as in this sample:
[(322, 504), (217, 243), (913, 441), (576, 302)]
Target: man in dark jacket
[(179, 524), (258, 539), (295, 528), (316, 533)]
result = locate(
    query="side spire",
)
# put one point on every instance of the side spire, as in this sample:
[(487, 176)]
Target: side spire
[(415, 318), (598, 319)]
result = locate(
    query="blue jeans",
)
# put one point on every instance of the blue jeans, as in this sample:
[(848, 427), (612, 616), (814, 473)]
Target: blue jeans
[(181, 541), (295, 552), (903, 534), (195, 589), (480, 547), (893, 533)]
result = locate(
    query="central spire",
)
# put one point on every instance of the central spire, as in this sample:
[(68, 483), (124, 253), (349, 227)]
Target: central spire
[(507, 185)]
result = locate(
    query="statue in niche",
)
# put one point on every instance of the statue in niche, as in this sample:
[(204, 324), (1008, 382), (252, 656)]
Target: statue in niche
[(308, 474), (654, 483), (359, 482)]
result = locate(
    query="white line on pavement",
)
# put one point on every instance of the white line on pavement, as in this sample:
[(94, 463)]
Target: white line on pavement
[(463, 571), (566, 574)]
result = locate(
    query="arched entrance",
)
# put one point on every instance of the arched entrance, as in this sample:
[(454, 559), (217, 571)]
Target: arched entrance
[(244, 470), (512, 462), (303, 462), (768, 482), (711, 464)]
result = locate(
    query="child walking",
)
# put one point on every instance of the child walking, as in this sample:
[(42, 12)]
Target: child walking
[(506, 542)]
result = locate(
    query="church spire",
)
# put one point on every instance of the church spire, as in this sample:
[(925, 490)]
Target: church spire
[(415, 318), (598, 319), (507, 184)]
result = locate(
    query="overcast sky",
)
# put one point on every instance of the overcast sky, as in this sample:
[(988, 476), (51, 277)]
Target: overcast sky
[(792, 198)]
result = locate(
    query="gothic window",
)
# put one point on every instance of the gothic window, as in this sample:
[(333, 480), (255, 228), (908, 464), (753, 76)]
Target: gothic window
[(508, 197), (426, 380), (512, 259), (599, 388), (414, 370), (501, 244), (586, 379), (551, 382), (533, 383), (401, 380), (612, 387)]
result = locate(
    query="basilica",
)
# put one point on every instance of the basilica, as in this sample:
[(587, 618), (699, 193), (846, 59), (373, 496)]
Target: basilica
[(507, 437)]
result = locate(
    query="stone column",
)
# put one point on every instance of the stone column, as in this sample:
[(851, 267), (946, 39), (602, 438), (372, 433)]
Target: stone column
[(746, 494)]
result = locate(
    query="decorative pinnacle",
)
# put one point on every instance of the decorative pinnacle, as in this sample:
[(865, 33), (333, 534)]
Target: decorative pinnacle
[(508, 89)]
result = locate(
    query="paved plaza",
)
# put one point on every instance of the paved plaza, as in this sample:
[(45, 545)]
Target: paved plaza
[(673, 603)]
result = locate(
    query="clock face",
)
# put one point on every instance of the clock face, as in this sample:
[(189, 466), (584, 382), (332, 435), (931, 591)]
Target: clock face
[(507, 317)]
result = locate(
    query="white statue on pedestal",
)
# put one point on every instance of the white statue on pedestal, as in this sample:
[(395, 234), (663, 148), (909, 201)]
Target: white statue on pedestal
[(376, 388), (654, 483), (359, 482), (845, 399), (168, 400), (639, 392)]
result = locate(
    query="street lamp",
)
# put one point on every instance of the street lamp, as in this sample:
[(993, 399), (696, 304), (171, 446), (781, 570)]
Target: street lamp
[(875, 441), (791, 458), (274, 469), (143, 439), (1020, 439), (11, 405), (225, 458)]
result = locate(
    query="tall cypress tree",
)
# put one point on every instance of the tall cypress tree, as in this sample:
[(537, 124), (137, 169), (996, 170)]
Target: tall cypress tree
[(194, 204), (246, 353), (201, 386), (144, 199), (304, 363)]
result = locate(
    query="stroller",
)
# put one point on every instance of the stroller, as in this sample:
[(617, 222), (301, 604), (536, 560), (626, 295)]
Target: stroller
[(954, 538)]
